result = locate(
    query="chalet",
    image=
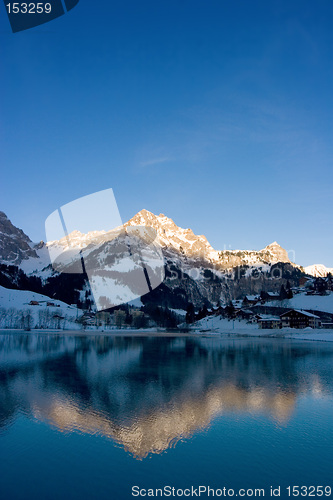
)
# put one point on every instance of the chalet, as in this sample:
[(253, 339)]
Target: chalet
[(251, 299), (299, 319), (269, 322), (245, 314), (273, 296), (33, 303), (50, 304)]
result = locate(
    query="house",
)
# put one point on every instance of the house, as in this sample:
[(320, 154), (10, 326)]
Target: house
[(273, 296), (33, 303), (299, 319), (269, 322), (50, 304), (245, 314), (327, 325), (251, 299)]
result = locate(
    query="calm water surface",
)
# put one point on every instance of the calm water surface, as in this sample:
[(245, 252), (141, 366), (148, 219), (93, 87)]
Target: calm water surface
[(90, 416)]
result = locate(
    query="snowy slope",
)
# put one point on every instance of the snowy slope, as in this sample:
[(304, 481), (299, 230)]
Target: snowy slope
[(318, 270), (15, 303), (307, 302), (216, 324)]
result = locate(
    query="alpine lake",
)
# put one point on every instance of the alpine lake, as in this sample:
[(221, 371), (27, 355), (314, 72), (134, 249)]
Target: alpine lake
[(102, 416)]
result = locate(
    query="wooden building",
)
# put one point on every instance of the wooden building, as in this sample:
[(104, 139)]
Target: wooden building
[(299, 319), (269, 322)]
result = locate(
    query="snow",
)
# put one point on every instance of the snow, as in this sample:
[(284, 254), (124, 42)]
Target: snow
[(305, 313), (252, 297), (109, 292), (15, 302), (322, 303), (180, 312), (33, 265), (222, 325), (318, 270), (259, 266), (267, 317)]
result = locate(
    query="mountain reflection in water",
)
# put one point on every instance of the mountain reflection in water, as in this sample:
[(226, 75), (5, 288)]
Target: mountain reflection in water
[(147, 393)]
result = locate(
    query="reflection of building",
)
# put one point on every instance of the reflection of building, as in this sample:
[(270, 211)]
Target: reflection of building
[(299, 319)]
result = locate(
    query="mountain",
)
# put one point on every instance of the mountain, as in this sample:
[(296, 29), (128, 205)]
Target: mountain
[(183, 241), (318, 270), (15, 245), (193, 270), (174, 238)]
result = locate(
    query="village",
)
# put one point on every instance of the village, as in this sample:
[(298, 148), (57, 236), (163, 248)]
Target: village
[(307, 306)]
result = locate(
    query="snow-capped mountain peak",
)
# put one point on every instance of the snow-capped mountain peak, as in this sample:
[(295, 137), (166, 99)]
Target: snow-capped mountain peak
[(318, 270), (171, 236), (78, 239), (176, 242), (279, 254)]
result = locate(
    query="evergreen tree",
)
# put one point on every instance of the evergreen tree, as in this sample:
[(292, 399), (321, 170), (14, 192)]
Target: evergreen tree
[(128, 318), (190, 314), (283, 293), (289, 290)]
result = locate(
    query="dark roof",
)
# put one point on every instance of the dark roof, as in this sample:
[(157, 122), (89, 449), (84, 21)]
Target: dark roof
[(304, 313)]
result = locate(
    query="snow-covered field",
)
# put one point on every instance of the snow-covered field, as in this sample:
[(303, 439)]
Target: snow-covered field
[(307, 302), (222, 325), (17, 312)]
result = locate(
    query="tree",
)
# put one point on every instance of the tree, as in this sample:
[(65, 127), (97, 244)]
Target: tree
[(289, 290), (230, 310), (128, 318), (190, 313), (203, 312), (283, 293)]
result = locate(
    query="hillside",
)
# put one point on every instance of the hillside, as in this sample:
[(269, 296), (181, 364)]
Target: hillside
[(16, 311)]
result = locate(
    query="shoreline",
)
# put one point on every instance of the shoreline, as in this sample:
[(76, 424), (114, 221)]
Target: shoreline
[(288, 334)]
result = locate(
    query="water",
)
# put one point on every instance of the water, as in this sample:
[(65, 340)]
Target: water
[(85, 417)]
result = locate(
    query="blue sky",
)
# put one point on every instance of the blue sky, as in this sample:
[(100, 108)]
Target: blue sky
[(218, 114)]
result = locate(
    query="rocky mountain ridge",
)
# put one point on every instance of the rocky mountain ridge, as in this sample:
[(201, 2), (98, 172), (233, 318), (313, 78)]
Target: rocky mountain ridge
[(192, 246), (194, 271), (15, 245), (318, 270)]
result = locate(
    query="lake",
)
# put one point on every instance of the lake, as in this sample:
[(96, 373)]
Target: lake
[(91, 416)]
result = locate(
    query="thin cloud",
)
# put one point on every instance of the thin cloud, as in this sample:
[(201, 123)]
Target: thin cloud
[(154, 161)]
